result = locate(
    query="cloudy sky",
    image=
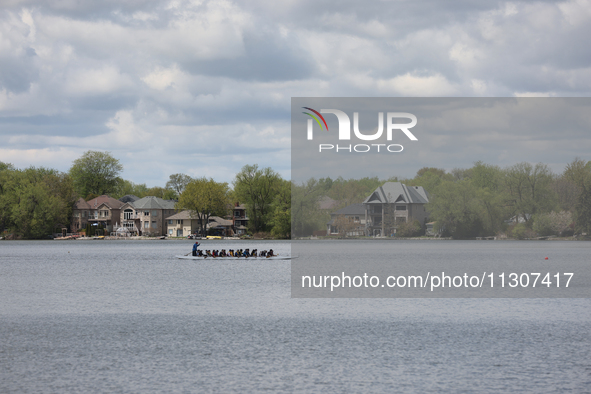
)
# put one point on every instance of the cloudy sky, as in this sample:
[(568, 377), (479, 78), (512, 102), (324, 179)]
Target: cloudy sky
[(204, 87)]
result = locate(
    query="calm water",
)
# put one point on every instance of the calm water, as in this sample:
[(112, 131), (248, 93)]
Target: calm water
[(126, 316)]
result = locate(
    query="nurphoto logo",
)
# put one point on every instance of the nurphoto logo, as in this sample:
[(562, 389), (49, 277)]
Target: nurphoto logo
[(345, 130)]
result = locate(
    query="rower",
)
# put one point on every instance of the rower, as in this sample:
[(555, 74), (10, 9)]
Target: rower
[(195, 246)]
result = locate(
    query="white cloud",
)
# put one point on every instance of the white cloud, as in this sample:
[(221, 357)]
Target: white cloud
[(150, 79), (413, 85)]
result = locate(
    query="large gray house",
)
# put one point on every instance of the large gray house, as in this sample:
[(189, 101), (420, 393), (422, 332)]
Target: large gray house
[(391, 204)]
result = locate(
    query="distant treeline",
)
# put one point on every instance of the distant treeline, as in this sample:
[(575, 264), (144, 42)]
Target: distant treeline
[(37, 202), (522, 200)]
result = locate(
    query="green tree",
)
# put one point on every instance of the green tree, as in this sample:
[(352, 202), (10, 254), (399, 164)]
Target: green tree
[(455, 208), (579, 172), (529, 188), (281, 207), (204, 198), (166, 194), (125, 187), (257, 189), (178, 182), (36, 201), (409, 229), (305, 215), (96, 172)]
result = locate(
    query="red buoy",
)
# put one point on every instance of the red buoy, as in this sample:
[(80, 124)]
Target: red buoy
[(546, 258)]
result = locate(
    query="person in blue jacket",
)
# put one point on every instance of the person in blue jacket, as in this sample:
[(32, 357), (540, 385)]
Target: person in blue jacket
[(195, 246)]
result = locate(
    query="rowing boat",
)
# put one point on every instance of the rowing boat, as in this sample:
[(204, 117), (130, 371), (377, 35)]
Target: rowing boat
[(190, 257)]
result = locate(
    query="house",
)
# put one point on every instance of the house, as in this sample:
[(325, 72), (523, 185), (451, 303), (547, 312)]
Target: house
[(219, 226), (392, 204), (182, 224), (349, 220), (239, 219), (102, 210), (80, 214), (147, 216)]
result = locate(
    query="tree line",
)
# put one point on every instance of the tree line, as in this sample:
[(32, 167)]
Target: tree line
[(521, 201), (36, 202)]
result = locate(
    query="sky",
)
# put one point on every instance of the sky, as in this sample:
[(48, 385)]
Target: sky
[(204, 87)]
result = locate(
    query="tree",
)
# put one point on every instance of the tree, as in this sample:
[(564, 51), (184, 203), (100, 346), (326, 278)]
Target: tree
[(257, 189), (178, 182), (204, 198), (166, 194), (125, 187), (409, 229), (281, 207), (35, 201), (579, 172), (344, 225), (455, 208), (530, 189), (95, 172), (305, 215)]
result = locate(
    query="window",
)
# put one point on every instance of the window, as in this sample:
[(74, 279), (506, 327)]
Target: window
[(401, 207), (146, 224), (127, 214), (146, 213), (236, 214), (170, 222), (179, 221), (154, 225), (104, 213), (83, 214), (154, 213), (170, 231)]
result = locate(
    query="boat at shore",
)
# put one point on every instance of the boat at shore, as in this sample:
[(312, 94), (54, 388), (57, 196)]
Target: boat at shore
[(276, 257)]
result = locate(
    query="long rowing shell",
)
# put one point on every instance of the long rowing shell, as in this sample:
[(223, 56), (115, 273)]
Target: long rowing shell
[(233, 258)]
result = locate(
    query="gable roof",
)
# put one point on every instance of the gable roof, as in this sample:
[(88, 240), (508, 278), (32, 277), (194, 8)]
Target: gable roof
[(151, 202), (104, 199), (326, 202), (81, 204), (392, 192), (181, 215)]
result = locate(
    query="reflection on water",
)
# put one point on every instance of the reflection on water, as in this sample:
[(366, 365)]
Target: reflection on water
[(127, 316)]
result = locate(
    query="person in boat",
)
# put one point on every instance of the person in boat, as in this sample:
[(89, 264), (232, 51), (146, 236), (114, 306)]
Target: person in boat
[(270, 253), (247, 253), (195, 246), (254, 253), (208, 253)]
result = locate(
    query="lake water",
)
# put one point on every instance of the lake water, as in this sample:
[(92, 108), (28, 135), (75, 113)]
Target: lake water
[(127, 317)]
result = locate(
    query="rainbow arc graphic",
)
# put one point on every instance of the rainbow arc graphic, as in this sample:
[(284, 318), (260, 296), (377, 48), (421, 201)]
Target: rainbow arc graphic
[(316, 118)]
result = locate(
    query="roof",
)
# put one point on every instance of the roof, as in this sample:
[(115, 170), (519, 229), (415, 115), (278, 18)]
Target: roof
[(215, 221), (392, 192), (104, 199), (151, 202), (129, 198), (182, 215), (327, 203), (353, 209), (81, 204)]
